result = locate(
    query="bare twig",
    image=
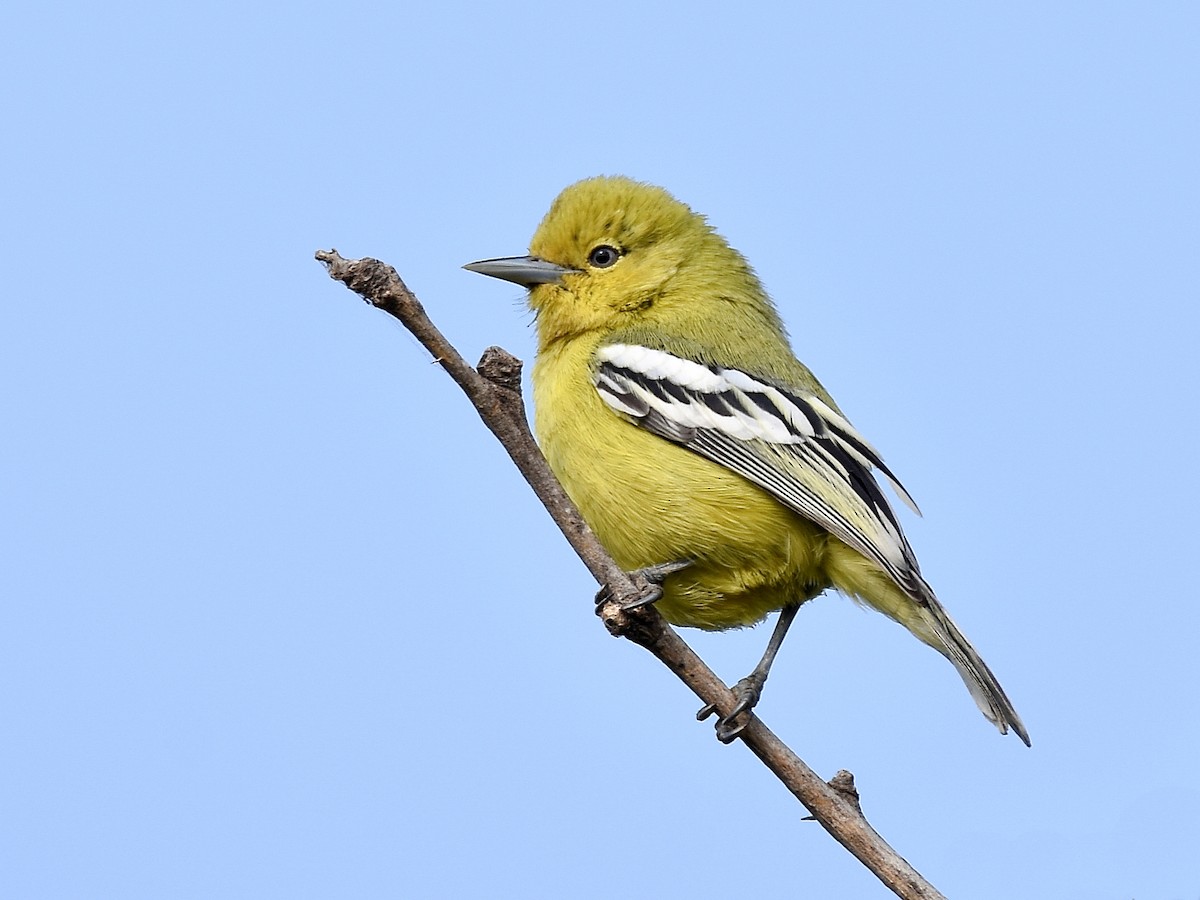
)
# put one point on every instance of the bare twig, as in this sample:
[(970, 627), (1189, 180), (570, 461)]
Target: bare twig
[(495, 391)]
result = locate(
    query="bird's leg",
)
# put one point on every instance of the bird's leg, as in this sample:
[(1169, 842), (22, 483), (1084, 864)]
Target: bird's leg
[(649, 581), (749, 689)]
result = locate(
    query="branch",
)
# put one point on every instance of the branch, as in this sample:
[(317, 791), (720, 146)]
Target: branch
[(496, 393)]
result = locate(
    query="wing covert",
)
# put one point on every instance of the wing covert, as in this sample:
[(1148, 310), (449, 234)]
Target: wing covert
[(790, 443)]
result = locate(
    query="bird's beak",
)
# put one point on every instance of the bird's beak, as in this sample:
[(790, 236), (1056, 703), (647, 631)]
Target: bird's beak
[(523, 270)]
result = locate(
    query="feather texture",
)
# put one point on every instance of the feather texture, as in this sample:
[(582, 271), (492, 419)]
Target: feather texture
[(791, 444)]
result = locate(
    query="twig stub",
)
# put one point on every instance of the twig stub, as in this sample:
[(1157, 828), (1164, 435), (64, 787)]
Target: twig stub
[(500, 367)]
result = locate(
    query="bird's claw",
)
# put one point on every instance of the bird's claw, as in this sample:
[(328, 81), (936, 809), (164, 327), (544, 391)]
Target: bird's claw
[(747, 692), (649, 582)]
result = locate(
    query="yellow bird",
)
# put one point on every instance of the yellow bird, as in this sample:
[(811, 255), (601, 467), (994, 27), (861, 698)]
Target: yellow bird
[(671, 407)]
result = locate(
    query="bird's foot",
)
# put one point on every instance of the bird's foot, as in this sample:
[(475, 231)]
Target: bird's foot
[(747, 691), (649, 583)]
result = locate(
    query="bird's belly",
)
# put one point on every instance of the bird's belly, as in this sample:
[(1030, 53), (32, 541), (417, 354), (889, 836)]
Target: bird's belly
[(650, 501)]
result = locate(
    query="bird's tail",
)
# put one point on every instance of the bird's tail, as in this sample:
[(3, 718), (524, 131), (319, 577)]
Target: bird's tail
[(980, 681), (925, 617)]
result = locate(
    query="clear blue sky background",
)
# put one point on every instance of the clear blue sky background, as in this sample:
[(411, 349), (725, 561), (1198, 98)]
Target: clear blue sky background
[(279, 619)]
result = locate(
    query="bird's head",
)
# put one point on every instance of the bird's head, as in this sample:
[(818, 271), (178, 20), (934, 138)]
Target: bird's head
[(615, 254)]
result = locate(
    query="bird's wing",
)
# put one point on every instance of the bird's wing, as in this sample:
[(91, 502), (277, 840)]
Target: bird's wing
[(788, 442)]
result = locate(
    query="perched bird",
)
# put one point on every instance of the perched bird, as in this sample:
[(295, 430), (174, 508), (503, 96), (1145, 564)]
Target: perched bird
[(698, 448)]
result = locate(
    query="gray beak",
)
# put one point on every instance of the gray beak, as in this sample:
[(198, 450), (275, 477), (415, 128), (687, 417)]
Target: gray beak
[(523, 270)]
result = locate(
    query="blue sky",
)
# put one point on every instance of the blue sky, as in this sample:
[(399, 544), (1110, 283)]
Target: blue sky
[(280, 620)]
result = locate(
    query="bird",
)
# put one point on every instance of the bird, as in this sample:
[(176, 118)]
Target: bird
[(670, 405)]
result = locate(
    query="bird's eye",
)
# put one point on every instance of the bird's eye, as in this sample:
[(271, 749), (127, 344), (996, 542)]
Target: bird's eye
[(603, 256)]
